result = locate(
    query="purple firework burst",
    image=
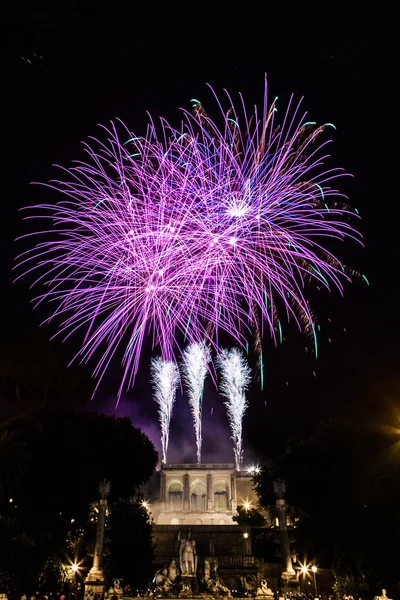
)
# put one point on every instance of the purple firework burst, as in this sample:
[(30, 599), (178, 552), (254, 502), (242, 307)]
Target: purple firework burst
[(191, 232)]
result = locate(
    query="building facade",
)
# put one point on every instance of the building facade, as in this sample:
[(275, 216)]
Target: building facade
[(203, 499), (202, 494)]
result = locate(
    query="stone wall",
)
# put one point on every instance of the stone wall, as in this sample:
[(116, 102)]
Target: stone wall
[(218, 540)]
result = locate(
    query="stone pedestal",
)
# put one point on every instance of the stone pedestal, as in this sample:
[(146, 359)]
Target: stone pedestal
[(96, 586), (290, 583)]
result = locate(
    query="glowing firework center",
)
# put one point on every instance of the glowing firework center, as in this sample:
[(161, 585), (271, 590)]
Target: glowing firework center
[(203, 494)]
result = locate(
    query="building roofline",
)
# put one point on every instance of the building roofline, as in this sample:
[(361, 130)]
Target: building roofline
[(204, 467), (230, 466)]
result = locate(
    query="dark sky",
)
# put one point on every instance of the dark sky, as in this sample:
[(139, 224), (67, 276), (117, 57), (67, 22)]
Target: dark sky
[(101, 63)]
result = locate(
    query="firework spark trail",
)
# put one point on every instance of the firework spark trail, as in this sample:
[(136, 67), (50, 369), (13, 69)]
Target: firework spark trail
[(235, 380), (194, 368), (190, 233), (165, 379)]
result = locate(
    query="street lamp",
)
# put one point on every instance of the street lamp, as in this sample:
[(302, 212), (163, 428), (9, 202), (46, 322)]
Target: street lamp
[(304, 571), (71, 572), (314, 572), (246, 505)]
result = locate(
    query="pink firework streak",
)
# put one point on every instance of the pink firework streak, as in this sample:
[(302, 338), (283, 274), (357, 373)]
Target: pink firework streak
[(183, 234)]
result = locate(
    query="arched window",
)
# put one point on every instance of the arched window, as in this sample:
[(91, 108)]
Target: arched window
[(198, 495), (221, 495), (175, 495)]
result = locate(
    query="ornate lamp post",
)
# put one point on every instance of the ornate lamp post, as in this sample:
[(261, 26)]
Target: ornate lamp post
[(314, 572), (94, 582)]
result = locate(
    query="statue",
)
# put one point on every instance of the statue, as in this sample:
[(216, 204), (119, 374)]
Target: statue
[(117, 587), (187, 556), (162, 581), (104, 488), (264, 590), (172, 571), (216, 586), (280, 488), (249, 584), (207, 570), (214, 569), (383, 597)]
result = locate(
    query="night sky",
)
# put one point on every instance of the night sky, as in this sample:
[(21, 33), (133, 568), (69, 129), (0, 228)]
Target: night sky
[(94, 64)]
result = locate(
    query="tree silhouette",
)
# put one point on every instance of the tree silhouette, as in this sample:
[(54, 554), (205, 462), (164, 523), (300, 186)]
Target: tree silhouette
[(14, 457)]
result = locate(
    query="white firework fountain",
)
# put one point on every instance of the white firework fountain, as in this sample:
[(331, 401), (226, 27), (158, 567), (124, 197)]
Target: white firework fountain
[(194, 368), (235, 380), (165, 379)]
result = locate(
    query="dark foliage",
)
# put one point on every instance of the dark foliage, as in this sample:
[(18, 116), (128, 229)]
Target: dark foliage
[(250, 517), (346, 485), (130, 553), (49, 519)]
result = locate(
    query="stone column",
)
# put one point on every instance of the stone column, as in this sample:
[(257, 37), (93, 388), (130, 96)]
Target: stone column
[(281, 508), (289, 581), (163, 490), (186, 503), (95, 579), (233, 492), (209, 492)]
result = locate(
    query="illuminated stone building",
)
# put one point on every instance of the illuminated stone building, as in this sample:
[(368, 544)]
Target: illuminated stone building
[(205, 498), (205, 494)]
